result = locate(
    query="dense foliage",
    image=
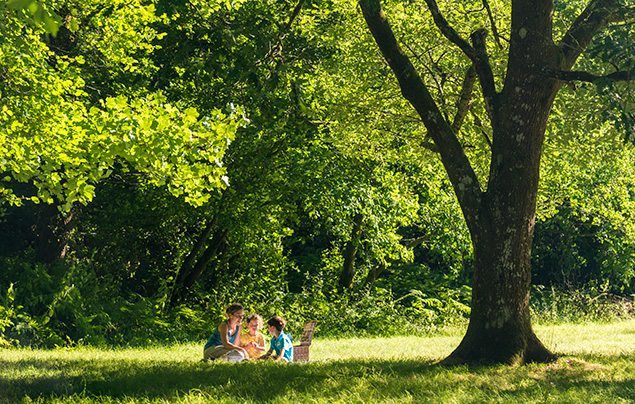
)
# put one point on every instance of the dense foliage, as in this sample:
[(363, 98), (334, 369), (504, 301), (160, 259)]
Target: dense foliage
[(161, 159)]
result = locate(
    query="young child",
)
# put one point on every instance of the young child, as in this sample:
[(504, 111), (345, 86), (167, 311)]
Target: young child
[(281, 345), (252, 339), (225, 341)]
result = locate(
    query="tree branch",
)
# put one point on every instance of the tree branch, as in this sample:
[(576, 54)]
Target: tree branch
[(477, 54), (276, 49), (463, 103), (479, 124), (413, 242), (294, 15), (460, 172), (430, 146), (485, 75), (449, 32), (492, 22), (594, 18)]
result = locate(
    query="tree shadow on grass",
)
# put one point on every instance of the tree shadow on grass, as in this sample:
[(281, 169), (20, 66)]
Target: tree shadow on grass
[(576, 377), (119, 378), (264, 381)]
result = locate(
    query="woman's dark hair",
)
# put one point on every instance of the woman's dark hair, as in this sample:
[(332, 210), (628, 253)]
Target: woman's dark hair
[(278, 322), (233, 308)]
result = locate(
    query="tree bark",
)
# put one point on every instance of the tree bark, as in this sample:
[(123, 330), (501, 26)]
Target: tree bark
[(373, 273), (53, 230), (190, 259), (348, 269), (500, 329)]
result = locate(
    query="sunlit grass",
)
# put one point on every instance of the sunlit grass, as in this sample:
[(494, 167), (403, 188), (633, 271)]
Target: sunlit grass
[(599, 367)]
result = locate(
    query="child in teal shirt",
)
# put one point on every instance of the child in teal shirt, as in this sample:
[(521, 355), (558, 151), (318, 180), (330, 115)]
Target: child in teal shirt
[(281, 344)]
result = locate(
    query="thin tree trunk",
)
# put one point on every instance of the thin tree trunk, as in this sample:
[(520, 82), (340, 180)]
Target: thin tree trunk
[(350, 253), (216, 245), (194, 264), (52, 231), (374, 273), (188, 263)]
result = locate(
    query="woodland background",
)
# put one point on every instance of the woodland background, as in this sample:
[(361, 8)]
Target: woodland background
[(161, 159)]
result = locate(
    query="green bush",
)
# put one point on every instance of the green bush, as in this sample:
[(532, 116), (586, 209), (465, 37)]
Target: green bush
[(576, 250), (550, 305), (64, 305)]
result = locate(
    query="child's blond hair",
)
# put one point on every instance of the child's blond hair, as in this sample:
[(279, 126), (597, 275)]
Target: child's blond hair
[(256, 317)]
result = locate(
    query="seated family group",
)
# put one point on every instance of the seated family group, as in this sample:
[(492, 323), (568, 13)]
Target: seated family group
[(229, 342)]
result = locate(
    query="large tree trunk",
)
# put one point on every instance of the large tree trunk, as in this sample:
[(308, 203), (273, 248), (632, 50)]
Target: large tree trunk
[(500, 328)]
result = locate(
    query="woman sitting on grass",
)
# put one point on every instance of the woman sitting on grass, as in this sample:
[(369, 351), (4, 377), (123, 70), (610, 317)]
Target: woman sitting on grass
[(225, 341), (281, 345)]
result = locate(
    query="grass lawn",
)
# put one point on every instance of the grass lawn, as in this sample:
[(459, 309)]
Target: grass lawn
[(599, 367)]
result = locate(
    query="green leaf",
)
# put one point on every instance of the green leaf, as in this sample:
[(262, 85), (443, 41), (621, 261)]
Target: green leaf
[(52, 24), (73, 24), (88, 192), (19, 4)]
